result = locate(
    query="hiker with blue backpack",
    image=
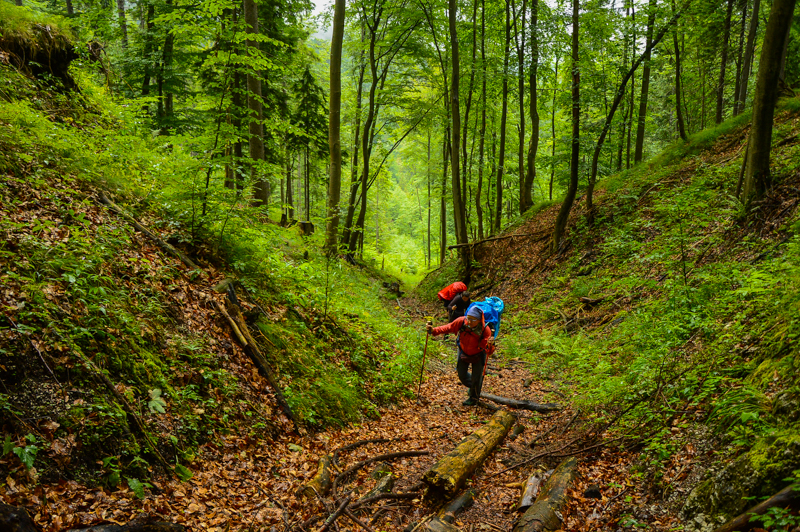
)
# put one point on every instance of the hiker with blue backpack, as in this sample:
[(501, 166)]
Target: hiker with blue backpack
[(475, 343)]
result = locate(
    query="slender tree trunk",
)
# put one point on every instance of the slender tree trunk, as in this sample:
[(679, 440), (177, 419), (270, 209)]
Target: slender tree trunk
[(307, 182), (553, 130), (519, 42), (752, 31), (290, 190), (739, 57), (723, 62), (465, 160), (489, 196), (459, 215), (164, 94), (123, 23), (428, 171), (482, 145), (563, 213), (443, 205), (533, 147), (642, 118), (70, 10), (503, 120), (703, 94), (334, 124), (633, 89), (256, 131), (678, 112), (354, 182), (148, 48), (757, 178)]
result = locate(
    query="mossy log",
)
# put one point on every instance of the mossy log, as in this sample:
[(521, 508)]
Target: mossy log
[(544, 513), (526, 405), (444, 519), (789, 496), (450, 472), (531, 489), (321, 482)]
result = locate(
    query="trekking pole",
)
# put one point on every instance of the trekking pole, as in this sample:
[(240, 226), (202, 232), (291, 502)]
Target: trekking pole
[(424, 354)]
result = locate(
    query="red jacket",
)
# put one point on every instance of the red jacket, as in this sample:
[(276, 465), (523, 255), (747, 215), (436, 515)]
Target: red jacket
[(471, 342), (448, 293)]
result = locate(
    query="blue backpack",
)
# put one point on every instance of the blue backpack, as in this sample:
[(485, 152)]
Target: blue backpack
[(492, 308)]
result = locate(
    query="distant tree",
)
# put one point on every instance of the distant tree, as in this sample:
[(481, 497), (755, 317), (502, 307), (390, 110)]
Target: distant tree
[(311, 118), (501, 158), (757, 178), (459, 209), (642, 118), (726, 36), (255, 118), (741, 97)]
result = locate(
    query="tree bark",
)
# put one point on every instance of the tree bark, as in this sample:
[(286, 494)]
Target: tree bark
[(123, 23), (737, 88), (256, 131), (498, 218), (544, 513), (519, 43), (443, 203), (757, 178), (354, 182), (334, 142), (459, 211), (723, 62), (451, 471), (321, 483), (533, 147), (566, 206), (553, 130), (748, 54), (531, 489), (642, 118), (148, 48), (482, 141), (678, 91)]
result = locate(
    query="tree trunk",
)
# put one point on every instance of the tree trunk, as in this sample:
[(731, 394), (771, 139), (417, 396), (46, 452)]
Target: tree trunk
[(428, 172), (443, 205), (498, 219), (451, 471), (553, 130), (256, 140), (482, 141), (459, 214), (566, 206), (631, 103), (678, 91), (723, 62), (757, 179), (740, 55), (748, 54), (123, 23), (164, 94), (321, 483), (334, 142), (533, 147), (148, 48), (354, 182), (465, 160), (788, 496), (545, 514), (519, 42), (70, 10), (531, 489), (642, 118)]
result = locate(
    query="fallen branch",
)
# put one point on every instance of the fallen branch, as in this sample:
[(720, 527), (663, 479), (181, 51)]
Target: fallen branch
[(391, 456), (526, 405), (366, 501), (356, 520), (473, 244), (335, 515), (354, 445), (139, 227), (789, 495), (531, 489), (321, 483)]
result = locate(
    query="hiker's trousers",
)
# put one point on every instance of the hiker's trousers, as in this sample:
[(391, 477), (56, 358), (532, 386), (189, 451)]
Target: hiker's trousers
[(472, 380)]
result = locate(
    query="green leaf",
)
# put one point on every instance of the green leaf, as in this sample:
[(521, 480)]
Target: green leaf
[(7, 445), (183, 472), (156, 403), (137, 487), (294, 447)]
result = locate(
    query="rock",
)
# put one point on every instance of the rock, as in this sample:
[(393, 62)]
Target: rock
[(593, 492)]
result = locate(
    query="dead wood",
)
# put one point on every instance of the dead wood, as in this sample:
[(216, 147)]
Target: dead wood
[(139, 227), (531, 489), (355, 445), (335, 515), (451, 471), (519, 235), (545, 511), (137, 525), (356, 520), (321, 482), (364, 502), (436, 524), (527, 383), (460, 503), (526, 405), (516, 431), (235, 319), (15, 519), (384, 485), (788, 496), (391, 456)]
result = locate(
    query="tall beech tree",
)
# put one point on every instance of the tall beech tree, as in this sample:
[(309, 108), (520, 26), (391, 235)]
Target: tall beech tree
[(498, 218), (334, 124), (757, 177), (642, 118), (726, 37)]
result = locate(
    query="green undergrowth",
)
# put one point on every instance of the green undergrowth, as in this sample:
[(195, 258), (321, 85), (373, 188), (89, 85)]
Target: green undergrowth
[(87, 314), (697, 322)]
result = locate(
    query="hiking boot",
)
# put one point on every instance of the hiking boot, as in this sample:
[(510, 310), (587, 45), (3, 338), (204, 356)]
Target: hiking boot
[(470, 402)]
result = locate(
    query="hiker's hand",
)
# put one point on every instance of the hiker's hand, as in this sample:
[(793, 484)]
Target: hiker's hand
[(429, 328), (490, 341)]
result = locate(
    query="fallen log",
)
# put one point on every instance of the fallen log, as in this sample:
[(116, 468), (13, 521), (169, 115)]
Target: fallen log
[(516, 431), (321, 483), (526, 405), (15, 519), (790, 495), (460, 503), (234, 318), (531, 489), (545, 511), (450, 472), (137, 525)]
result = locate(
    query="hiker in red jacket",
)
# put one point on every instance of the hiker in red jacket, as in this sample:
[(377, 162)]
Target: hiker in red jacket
[(475, 343), (448, 293)]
